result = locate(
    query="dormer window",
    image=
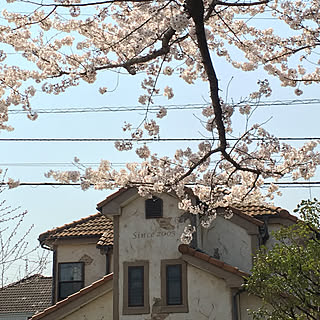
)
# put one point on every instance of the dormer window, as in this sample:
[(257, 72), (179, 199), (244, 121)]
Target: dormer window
[(154, 208)]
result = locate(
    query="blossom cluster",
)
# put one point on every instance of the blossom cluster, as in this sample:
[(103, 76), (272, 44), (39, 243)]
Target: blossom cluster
[(60, 49)]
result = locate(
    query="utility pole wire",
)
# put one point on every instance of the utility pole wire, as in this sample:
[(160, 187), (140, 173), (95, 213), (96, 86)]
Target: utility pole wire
[(155, 139), (294, 184), (155, 108)]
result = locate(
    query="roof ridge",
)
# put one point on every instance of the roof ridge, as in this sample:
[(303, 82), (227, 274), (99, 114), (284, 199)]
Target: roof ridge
[(69, 225), (37, 275)]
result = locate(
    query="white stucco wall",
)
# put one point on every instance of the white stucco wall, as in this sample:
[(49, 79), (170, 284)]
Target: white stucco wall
[(148, 239), (98, 309), (69, 251), (158, 239), (209, 297), (231, 240)]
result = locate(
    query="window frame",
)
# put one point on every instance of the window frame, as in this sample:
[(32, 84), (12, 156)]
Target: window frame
[(131, 310), (69, 281), (148, 216), (178, 308)]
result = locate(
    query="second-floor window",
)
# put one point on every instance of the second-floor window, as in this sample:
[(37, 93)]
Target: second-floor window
[(70, 278), (136, 287), (174, 294)]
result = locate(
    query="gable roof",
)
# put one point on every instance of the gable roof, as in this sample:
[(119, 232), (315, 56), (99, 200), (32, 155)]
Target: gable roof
[(259, 211), (94, 226), (78, 299), (31, 294)]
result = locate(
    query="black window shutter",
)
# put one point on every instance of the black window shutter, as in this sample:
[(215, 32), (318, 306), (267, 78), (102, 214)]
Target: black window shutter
[(154, 208)]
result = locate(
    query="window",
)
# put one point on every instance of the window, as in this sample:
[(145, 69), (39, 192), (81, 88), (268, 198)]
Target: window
[(71, 278), (136, 287), (174, 294), (153, 208)]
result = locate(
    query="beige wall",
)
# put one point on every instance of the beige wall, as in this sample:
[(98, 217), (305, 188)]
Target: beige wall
[(232, 241), (148, 239), (158, 239), (75, 250), (209, 297), (98, 309)]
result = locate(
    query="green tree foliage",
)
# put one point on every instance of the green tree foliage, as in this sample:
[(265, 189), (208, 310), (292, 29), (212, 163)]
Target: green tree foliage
[(287, 277)]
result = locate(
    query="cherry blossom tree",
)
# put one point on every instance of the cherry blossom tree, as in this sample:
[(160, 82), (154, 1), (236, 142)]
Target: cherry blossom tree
[(164, 38)]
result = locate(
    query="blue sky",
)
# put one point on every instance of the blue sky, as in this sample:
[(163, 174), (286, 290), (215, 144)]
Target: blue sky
[(50, 207)]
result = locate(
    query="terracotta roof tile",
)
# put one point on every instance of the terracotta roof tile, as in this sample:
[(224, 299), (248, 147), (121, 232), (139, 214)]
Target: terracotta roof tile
[(259, 211), (185, 249), (73, 297), (93, 226), (31, 294), (106, 239)]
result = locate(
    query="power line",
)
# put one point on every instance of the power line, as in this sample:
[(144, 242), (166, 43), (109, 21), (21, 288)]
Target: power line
[(194, 106), (155, 139), (294, 184)]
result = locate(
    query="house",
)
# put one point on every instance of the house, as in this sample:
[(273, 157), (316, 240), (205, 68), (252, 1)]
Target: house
[(26, 297), (129, 262)]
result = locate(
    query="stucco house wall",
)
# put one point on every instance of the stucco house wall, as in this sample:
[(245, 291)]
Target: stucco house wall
[(209, 297), (98, 309), (150, 240), (229, 241), (83, 250)]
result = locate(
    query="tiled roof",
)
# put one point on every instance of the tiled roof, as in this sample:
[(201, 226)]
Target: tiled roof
[(73, 297), (185, 249), (32, 294), (258, 211), (106, 239), (93, 226)]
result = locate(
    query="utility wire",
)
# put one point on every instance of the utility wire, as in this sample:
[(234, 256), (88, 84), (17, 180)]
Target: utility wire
[(194, 106), (155, 139), (294, 184)]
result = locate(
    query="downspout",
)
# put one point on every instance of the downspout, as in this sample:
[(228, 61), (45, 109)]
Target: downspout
[(235, 305), (54, 274), (263, 231)]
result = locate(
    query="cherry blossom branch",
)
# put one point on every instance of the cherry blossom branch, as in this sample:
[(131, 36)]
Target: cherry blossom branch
[(197, 164), (79, 4), (214, 3), (39, 21), (241, 4), (196, 10), (291, 51)]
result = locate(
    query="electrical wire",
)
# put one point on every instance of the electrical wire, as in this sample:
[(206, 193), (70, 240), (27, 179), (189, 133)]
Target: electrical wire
[(181, 107), (155, 139)]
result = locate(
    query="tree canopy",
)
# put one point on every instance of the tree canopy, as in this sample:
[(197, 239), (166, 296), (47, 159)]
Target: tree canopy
[(287, 277), (60, 48)]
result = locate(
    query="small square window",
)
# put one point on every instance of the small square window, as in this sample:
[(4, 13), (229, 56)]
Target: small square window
[(136, 287), (174, 293), (154, 208), (70, 278)]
